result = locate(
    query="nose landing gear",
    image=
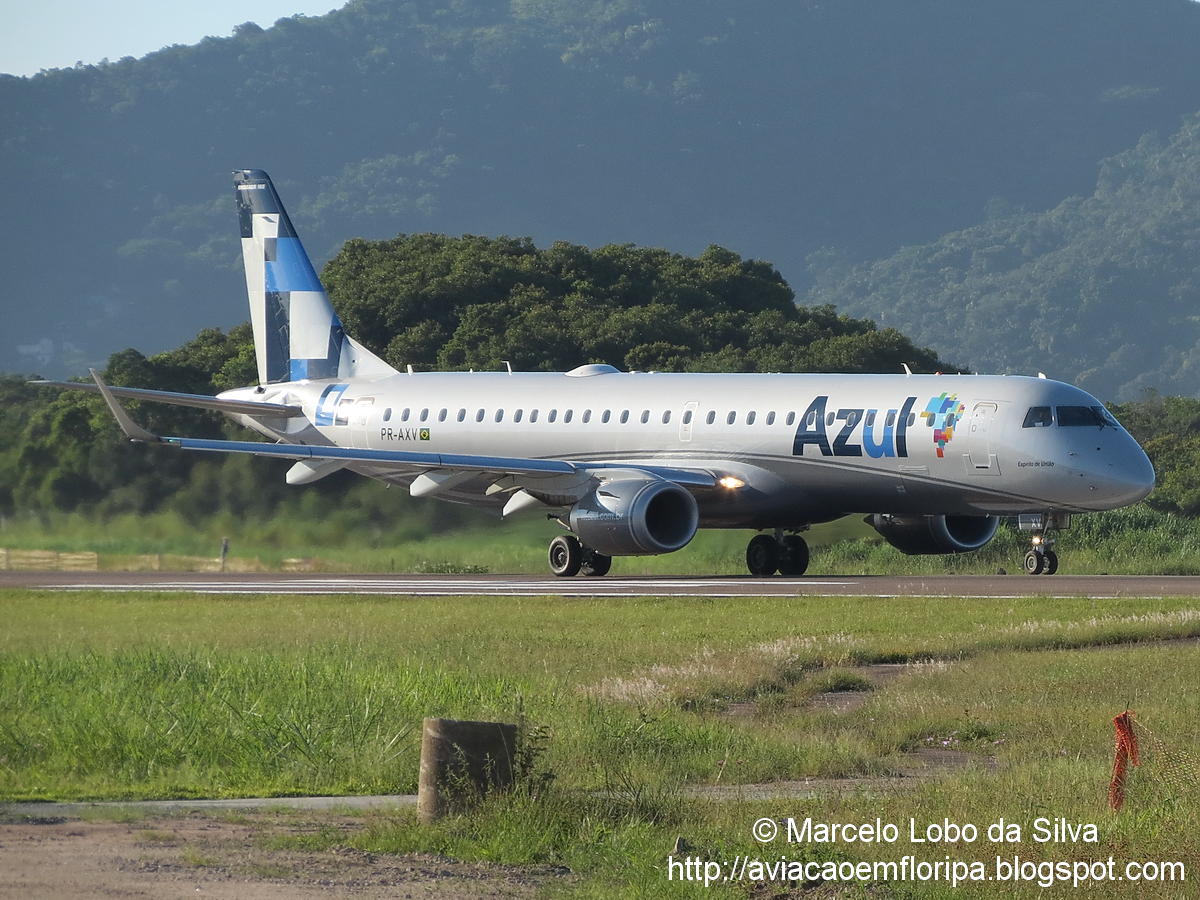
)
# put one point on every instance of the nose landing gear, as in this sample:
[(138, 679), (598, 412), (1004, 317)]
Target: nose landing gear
[(1041, 559), (786, 554)]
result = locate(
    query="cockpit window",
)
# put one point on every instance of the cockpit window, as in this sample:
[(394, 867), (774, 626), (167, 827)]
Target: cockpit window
[(1039, 417), (1075, 416)]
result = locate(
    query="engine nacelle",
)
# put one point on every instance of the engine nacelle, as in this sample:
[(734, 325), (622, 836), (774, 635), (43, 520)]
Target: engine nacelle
[(636, 518), (919, 535)]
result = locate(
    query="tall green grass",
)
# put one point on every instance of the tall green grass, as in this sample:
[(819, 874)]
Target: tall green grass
[(1130, 541)]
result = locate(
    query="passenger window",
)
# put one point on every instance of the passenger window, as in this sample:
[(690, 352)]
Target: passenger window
[(890, 420), (553, 415), (771, 417), (731, 418), (829, 419), (387, 414), (912, 419), (532, 416), (811, 421), (479, 416), (871, 419), (605, 416), (687, 417), (750, 417), (587, 416), (404, 415), (712, 416), (442, 415), (517, 416), (424, 414), (645, 416), (624, 416), (567, 415), (1038, 417), (791, 417), (343, 412), (667, 417), (462, 415), (499, 415)]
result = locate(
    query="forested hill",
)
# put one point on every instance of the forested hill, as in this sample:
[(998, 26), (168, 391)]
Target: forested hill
[(769, 128), (1103, 291)]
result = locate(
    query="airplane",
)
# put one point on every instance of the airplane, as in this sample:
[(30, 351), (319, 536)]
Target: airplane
[(634, 463)]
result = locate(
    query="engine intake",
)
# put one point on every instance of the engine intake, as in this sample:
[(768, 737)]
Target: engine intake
[(921, 535), (636, 518)]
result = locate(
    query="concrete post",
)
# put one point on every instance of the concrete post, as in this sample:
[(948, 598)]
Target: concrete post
[(460, 763)]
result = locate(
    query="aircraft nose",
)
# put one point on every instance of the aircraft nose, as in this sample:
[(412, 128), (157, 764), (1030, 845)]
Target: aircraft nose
[(1125, 478)]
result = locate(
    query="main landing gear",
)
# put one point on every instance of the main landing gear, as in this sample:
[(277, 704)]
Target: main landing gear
[(786, 554), (568, 557)]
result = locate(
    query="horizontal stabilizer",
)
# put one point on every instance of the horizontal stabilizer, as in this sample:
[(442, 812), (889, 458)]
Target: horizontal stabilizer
[(198, 401)]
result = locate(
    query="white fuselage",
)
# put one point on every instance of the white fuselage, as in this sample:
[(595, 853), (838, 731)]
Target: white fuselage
[(805, 448)]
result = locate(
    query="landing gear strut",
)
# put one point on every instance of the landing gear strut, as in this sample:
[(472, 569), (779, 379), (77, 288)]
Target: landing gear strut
[(786, 554), (569, 557)]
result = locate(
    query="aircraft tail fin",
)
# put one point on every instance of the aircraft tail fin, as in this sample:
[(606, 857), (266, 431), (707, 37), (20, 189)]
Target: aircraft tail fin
[(297, 334)]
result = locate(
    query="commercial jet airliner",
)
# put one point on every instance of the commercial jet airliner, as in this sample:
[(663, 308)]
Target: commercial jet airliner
[(633, 463)]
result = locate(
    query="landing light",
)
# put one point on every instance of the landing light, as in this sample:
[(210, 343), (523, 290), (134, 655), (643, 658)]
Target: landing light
[(732, 483)]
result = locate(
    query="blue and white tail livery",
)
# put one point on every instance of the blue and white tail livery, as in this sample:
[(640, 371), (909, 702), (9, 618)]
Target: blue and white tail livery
[(297, 335), (633, 463)]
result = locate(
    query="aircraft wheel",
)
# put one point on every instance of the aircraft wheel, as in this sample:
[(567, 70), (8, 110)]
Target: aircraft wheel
[(762, 555), (595, 564), (1051, 562), (793, 561), (566, 556), (1034, 563)]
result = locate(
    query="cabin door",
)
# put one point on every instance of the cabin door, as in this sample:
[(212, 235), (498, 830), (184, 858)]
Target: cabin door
[(361, 420), (980, 459)]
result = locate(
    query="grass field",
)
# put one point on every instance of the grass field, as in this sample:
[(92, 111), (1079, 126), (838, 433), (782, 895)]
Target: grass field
[(1137, 540), (636, 704)]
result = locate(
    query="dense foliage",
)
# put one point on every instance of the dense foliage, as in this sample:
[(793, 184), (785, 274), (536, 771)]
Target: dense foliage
[(773, 129), (428, 300), (1168, 428), (432, 301), (1101, 291)]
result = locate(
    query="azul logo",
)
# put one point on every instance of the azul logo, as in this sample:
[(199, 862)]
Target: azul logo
[(943, 413), (891, 431), (882, 433)]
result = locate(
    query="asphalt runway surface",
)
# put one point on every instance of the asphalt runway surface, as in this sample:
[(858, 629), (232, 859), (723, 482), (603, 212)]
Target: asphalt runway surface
[(998, 586)]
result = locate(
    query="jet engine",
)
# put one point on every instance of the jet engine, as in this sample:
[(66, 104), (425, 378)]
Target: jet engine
[(917, 535), (636, 518)]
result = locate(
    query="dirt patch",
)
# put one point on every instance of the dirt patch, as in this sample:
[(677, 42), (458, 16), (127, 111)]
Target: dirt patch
[(201, 855)]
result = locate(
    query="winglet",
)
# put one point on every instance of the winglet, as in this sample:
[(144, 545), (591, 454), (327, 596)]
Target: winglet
[(132, 430)]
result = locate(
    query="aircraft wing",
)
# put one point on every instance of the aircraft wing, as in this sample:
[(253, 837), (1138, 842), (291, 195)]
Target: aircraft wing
[(447, 463), (199, 401)]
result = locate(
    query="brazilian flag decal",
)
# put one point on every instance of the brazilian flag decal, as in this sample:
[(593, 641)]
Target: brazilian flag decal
[(424, 434)]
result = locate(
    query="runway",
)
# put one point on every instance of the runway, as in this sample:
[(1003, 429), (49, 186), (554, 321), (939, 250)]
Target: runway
[(997, 586)]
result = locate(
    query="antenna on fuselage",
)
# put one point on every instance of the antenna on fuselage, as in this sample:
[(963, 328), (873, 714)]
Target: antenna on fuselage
[(508, 365), (907, 370)]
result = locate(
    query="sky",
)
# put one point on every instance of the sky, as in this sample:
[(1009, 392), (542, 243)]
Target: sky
[(55, 34)]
